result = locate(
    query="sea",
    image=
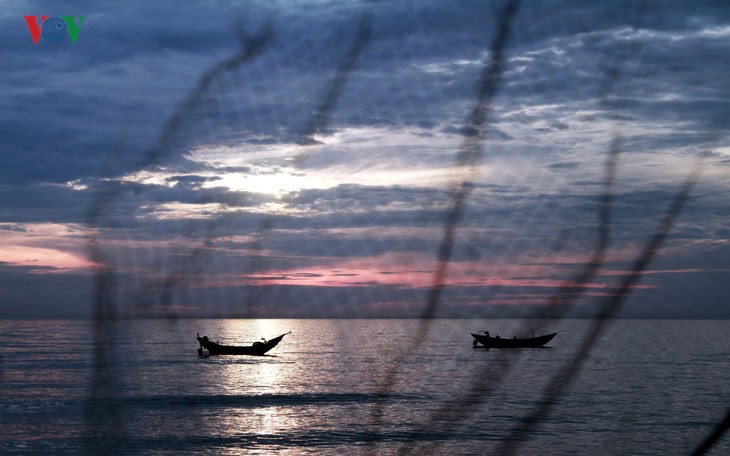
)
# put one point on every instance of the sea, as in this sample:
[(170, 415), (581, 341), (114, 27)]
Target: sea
[(360, 387)]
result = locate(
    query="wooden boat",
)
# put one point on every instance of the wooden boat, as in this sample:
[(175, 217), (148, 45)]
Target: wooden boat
[(497, 342), (256, 349)]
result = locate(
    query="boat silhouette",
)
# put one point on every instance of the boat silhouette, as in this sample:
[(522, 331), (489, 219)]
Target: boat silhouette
[(497, 342), (256, 349)]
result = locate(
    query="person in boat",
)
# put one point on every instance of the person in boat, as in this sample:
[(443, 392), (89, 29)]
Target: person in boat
[(257, 343), (203, 339)]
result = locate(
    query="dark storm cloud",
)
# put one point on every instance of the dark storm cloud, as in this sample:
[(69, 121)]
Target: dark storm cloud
[(564, 165), (116, 31), (121, 79), (72, 107), (353, 196), (546, 224), (186, 193), (493, 133), (42, 203), (62, 204), (16, 227), (190, 180), (540, 219)]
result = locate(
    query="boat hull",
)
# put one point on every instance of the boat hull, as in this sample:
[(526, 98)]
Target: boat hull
[(257, 349), (530, 342)]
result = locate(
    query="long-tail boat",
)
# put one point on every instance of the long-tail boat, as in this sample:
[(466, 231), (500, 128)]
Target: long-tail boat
[(256, 349), (498, 342)]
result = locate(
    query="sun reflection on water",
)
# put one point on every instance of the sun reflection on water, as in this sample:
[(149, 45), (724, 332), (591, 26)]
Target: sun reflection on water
[(264, 409)]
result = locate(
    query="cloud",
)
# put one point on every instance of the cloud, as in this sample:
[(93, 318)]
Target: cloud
[(46, 248), (234, 190)]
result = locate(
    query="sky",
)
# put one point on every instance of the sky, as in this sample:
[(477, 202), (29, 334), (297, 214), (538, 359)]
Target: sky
[(304, 159)]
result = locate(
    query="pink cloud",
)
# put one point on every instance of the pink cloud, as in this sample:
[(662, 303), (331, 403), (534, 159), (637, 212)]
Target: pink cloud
[(650, 272), (413, 271), (50, 248), (47, 260)]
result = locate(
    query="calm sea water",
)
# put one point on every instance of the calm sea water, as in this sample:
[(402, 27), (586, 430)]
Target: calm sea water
[(355, 387)]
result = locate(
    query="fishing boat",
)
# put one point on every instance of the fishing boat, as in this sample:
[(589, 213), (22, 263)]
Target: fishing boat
[(208, 347), (497, 342)]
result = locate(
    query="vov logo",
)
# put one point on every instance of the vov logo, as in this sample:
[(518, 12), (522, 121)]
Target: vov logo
[(54, 29)]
